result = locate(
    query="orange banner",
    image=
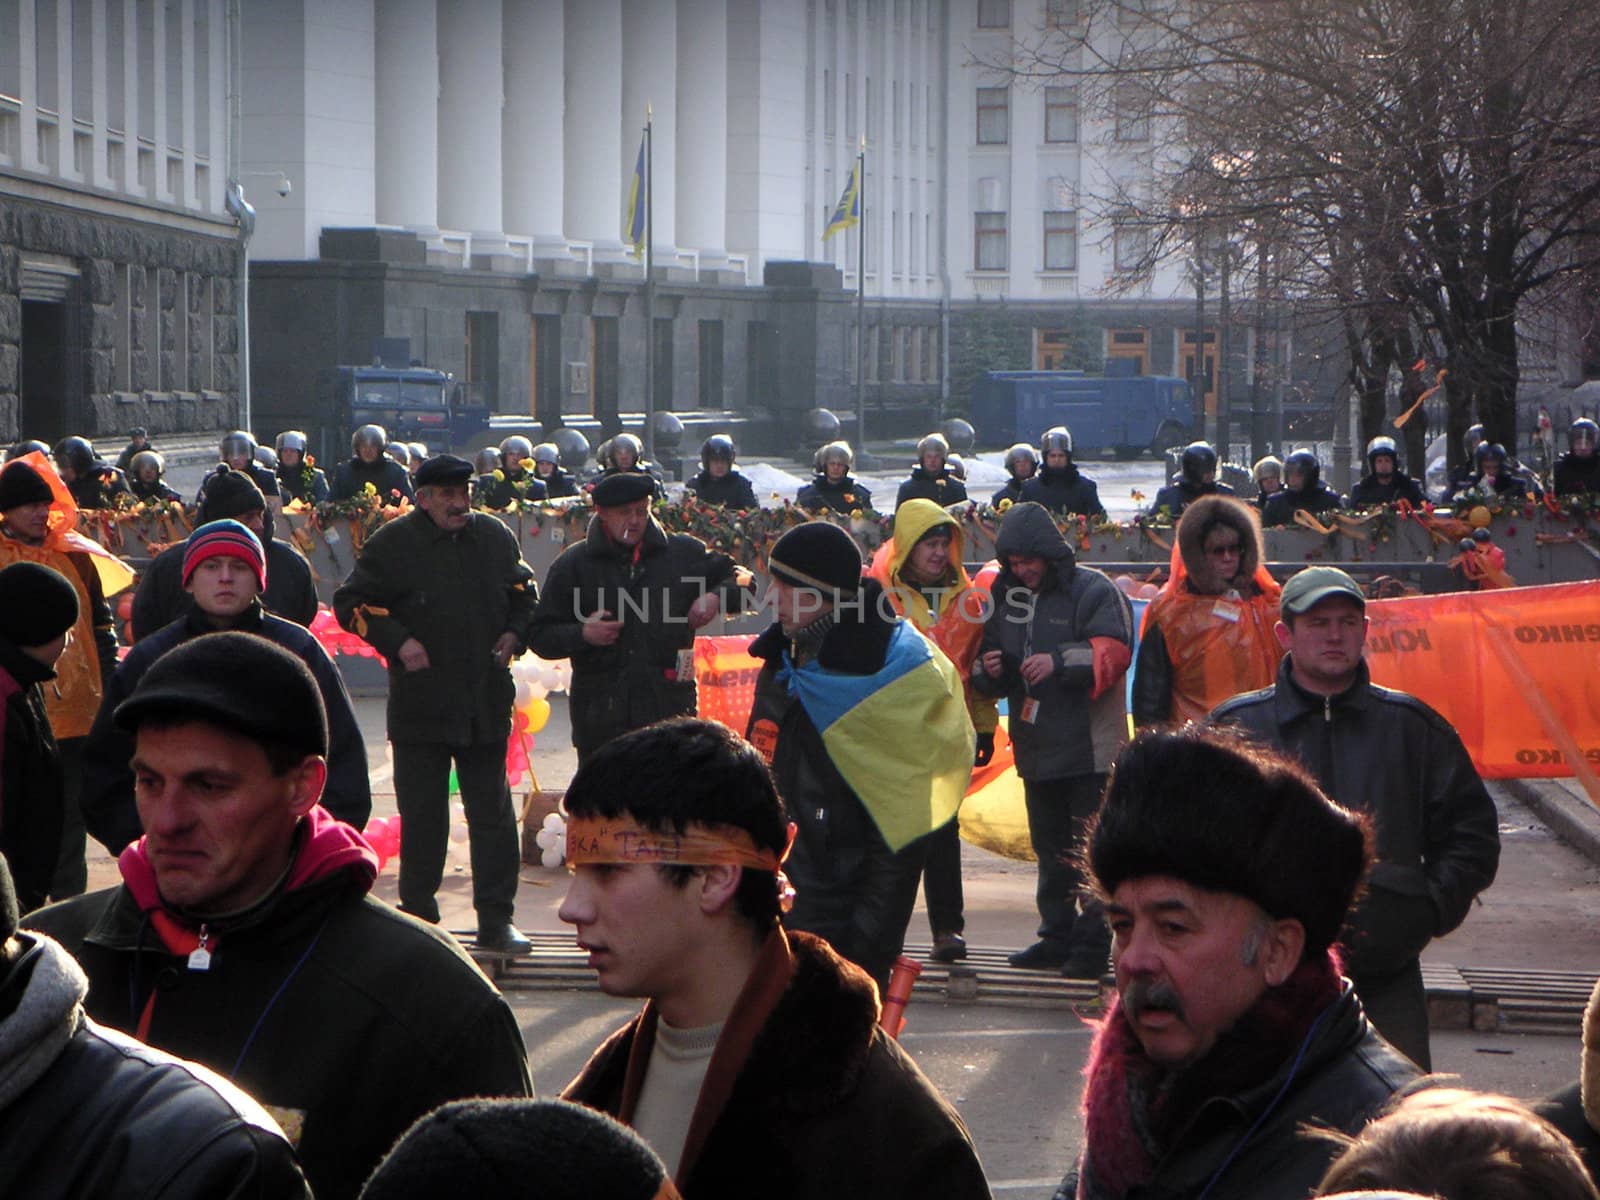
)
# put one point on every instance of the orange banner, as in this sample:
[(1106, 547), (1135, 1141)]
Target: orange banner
[(725, 676), (1516, 671)]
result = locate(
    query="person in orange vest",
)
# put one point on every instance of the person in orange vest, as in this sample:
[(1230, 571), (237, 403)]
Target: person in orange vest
[(925, 580), (39, 522), (1208, 635)]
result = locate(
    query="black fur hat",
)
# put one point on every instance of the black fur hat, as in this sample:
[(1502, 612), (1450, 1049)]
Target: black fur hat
[(1208, 808)]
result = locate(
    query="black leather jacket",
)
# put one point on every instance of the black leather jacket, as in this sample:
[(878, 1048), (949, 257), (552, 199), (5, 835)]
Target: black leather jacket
[(733, 490), (1371, 491), (1063, 489), (822, 494), (110, 1118), (1388, 754), (941, 487)]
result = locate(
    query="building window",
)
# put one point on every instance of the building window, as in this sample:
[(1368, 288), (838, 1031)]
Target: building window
[(1129, 246), (1062, 14), (989, 241), (1061, 114), (711, 365), (663, 375), (1132, 114), (1061, 241), (994, 116), (994, 14)]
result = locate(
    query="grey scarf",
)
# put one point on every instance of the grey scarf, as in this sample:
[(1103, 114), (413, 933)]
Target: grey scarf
[(47, 1016)]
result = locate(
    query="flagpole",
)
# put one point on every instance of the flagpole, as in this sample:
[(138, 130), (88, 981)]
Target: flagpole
[(861, 300), (649, 287)]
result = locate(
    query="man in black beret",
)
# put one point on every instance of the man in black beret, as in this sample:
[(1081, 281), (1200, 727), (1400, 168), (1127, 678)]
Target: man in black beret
[(1226, 875), (624, 604), (444, 595), (244, 935)]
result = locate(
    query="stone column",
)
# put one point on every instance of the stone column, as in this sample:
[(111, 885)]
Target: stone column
[(219, 130), (650, 79), (130, 96), (531, 133), (471, 96), (593, 125), (157, 83), (701, 198), (407, 45), (188, 197), (66, 166)]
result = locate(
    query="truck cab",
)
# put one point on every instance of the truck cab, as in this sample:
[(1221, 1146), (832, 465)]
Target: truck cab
[(414, 404)]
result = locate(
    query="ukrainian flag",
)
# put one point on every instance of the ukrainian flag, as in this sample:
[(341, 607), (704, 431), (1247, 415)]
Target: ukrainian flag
[(633, 212), (848, 210), (901, 737)]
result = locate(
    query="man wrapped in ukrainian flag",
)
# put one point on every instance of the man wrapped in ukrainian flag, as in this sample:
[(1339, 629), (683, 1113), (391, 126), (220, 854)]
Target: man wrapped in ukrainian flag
[(864, 723)]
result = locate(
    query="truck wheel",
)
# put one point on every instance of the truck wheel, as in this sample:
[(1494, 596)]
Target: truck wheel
[(1125, 453)]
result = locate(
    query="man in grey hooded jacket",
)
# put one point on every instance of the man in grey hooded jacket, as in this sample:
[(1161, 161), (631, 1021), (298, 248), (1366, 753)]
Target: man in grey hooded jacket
[(1056, 645)]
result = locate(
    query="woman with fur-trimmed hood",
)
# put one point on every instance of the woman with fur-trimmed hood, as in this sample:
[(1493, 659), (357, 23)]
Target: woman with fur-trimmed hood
[(1208, 635)]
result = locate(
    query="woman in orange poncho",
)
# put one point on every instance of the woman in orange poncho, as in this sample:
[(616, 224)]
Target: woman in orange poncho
[(923, 577), (1208, 634)]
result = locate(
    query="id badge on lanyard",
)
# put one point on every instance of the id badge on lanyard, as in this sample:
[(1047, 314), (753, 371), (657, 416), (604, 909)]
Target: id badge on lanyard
[(1030, 706)]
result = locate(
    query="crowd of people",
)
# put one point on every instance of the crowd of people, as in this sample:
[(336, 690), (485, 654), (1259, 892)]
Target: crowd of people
[(240, 1015)]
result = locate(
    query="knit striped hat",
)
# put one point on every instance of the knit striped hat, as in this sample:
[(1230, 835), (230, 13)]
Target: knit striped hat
[(229, 538)]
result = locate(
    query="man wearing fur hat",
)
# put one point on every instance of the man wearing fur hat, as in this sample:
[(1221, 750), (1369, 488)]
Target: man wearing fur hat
[(864, 722), (224, 573), (757, 1066), (1208, 635), (624, 604), (1226, 875), (1057, 645), (1389, 755), (39, 524)]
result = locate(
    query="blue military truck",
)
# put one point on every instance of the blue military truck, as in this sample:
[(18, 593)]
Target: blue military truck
[(1108, 416), (412, 403)]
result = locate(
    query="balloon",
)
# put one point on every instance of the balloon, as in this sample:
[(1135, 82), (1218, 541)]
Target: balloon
[(1125, 583), (552, 857), (455, 783), (1147, 591), (538, 712), (524, 693), (536, 691), (458, 831)]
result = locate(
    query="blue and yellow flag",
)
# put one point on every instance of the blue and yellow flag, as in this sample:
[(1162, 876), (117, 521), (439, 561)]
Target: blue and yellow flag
[(848, 211), (633, 223), (901, 737)]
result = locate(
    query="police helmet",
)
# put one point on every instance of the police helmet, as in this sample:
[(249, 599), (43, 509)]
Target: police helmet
[(143, 459), (1058, 437), (1472, 439), (291, 439), (400, 452), (518, 445), (487, 462), (718, 446), (1583, 432), (1020, 451), (1482, 535), (267, 457), (547, 452), (627, 441), (1382, 445), (419, 452), (1487, 451), (1198, 461), (1305, 462), (238, 444), (934, 443), (1268, 467), (834, 452), (369, 435), (77, 453), (24, 448), (954, 465)]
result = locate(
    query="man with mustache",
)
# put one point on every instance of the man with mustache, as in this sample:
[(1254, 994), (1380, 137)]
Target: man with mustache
[(1226, 875), (443, 594)]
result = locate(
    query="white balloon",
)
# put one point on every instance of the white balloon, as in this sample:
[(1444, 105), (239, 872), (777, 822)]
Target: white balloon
[(458, 832), (524, 692), (553, 821), (552, 857)]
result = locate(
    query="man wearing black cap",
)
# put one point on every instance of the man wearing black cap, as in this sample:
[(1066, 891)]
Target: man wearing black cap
[(223, 571), (444, 595), (290, 593), (244, 936), (86, 1112), (623, 605), (1387, 754), (37, 608), (1226, 875)]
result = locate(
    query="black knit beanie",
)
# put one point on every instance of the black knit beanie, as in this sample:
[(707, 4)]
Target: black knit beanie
[(537, 1149), (230, 494), (1205, 807), (20, 484), (37, 604), (818, 555)]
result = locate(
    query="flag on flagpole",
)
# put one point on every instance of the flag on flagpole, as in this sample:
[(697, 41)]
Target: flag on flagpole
[(848, 211), (633, 212)]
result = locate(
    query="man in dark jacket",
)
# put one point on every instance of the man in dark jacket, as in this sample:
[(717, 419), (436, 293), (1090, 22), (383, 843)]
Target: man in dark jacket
[(677, 894), (1057, 645), (515, 479), (1388, 754), (558, 481), (369, 464), (243, 935), (623, 605), (930, 479), (718, 482), (92, 482), (222, 573), (899, 750), (291, 593), (1578, 470), (237, 452), (90, 1114), (1021, 463), (298, 478), (1226, 875), (1058, 485), (1384, 482), (145, 478), (37, 607), (832, 487), (1197, 476), (444, 595), (1303, 489)]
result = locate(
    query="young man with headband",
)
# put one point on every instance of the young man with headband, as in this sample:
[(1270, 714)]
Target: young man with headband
[(757, 1055)]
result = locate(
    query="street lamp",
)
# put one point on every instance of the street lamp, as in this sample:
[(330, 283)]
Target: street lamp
[(242, 211)]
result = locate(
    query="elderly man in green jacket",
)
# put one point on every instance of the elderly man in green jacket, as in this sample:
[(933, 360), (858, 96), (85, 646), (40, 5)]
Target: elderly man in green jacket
[(444, 595)]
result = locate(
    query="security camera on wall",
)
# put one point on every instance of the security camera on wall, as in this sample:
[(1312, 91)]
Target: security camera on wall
[(285, 185)]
